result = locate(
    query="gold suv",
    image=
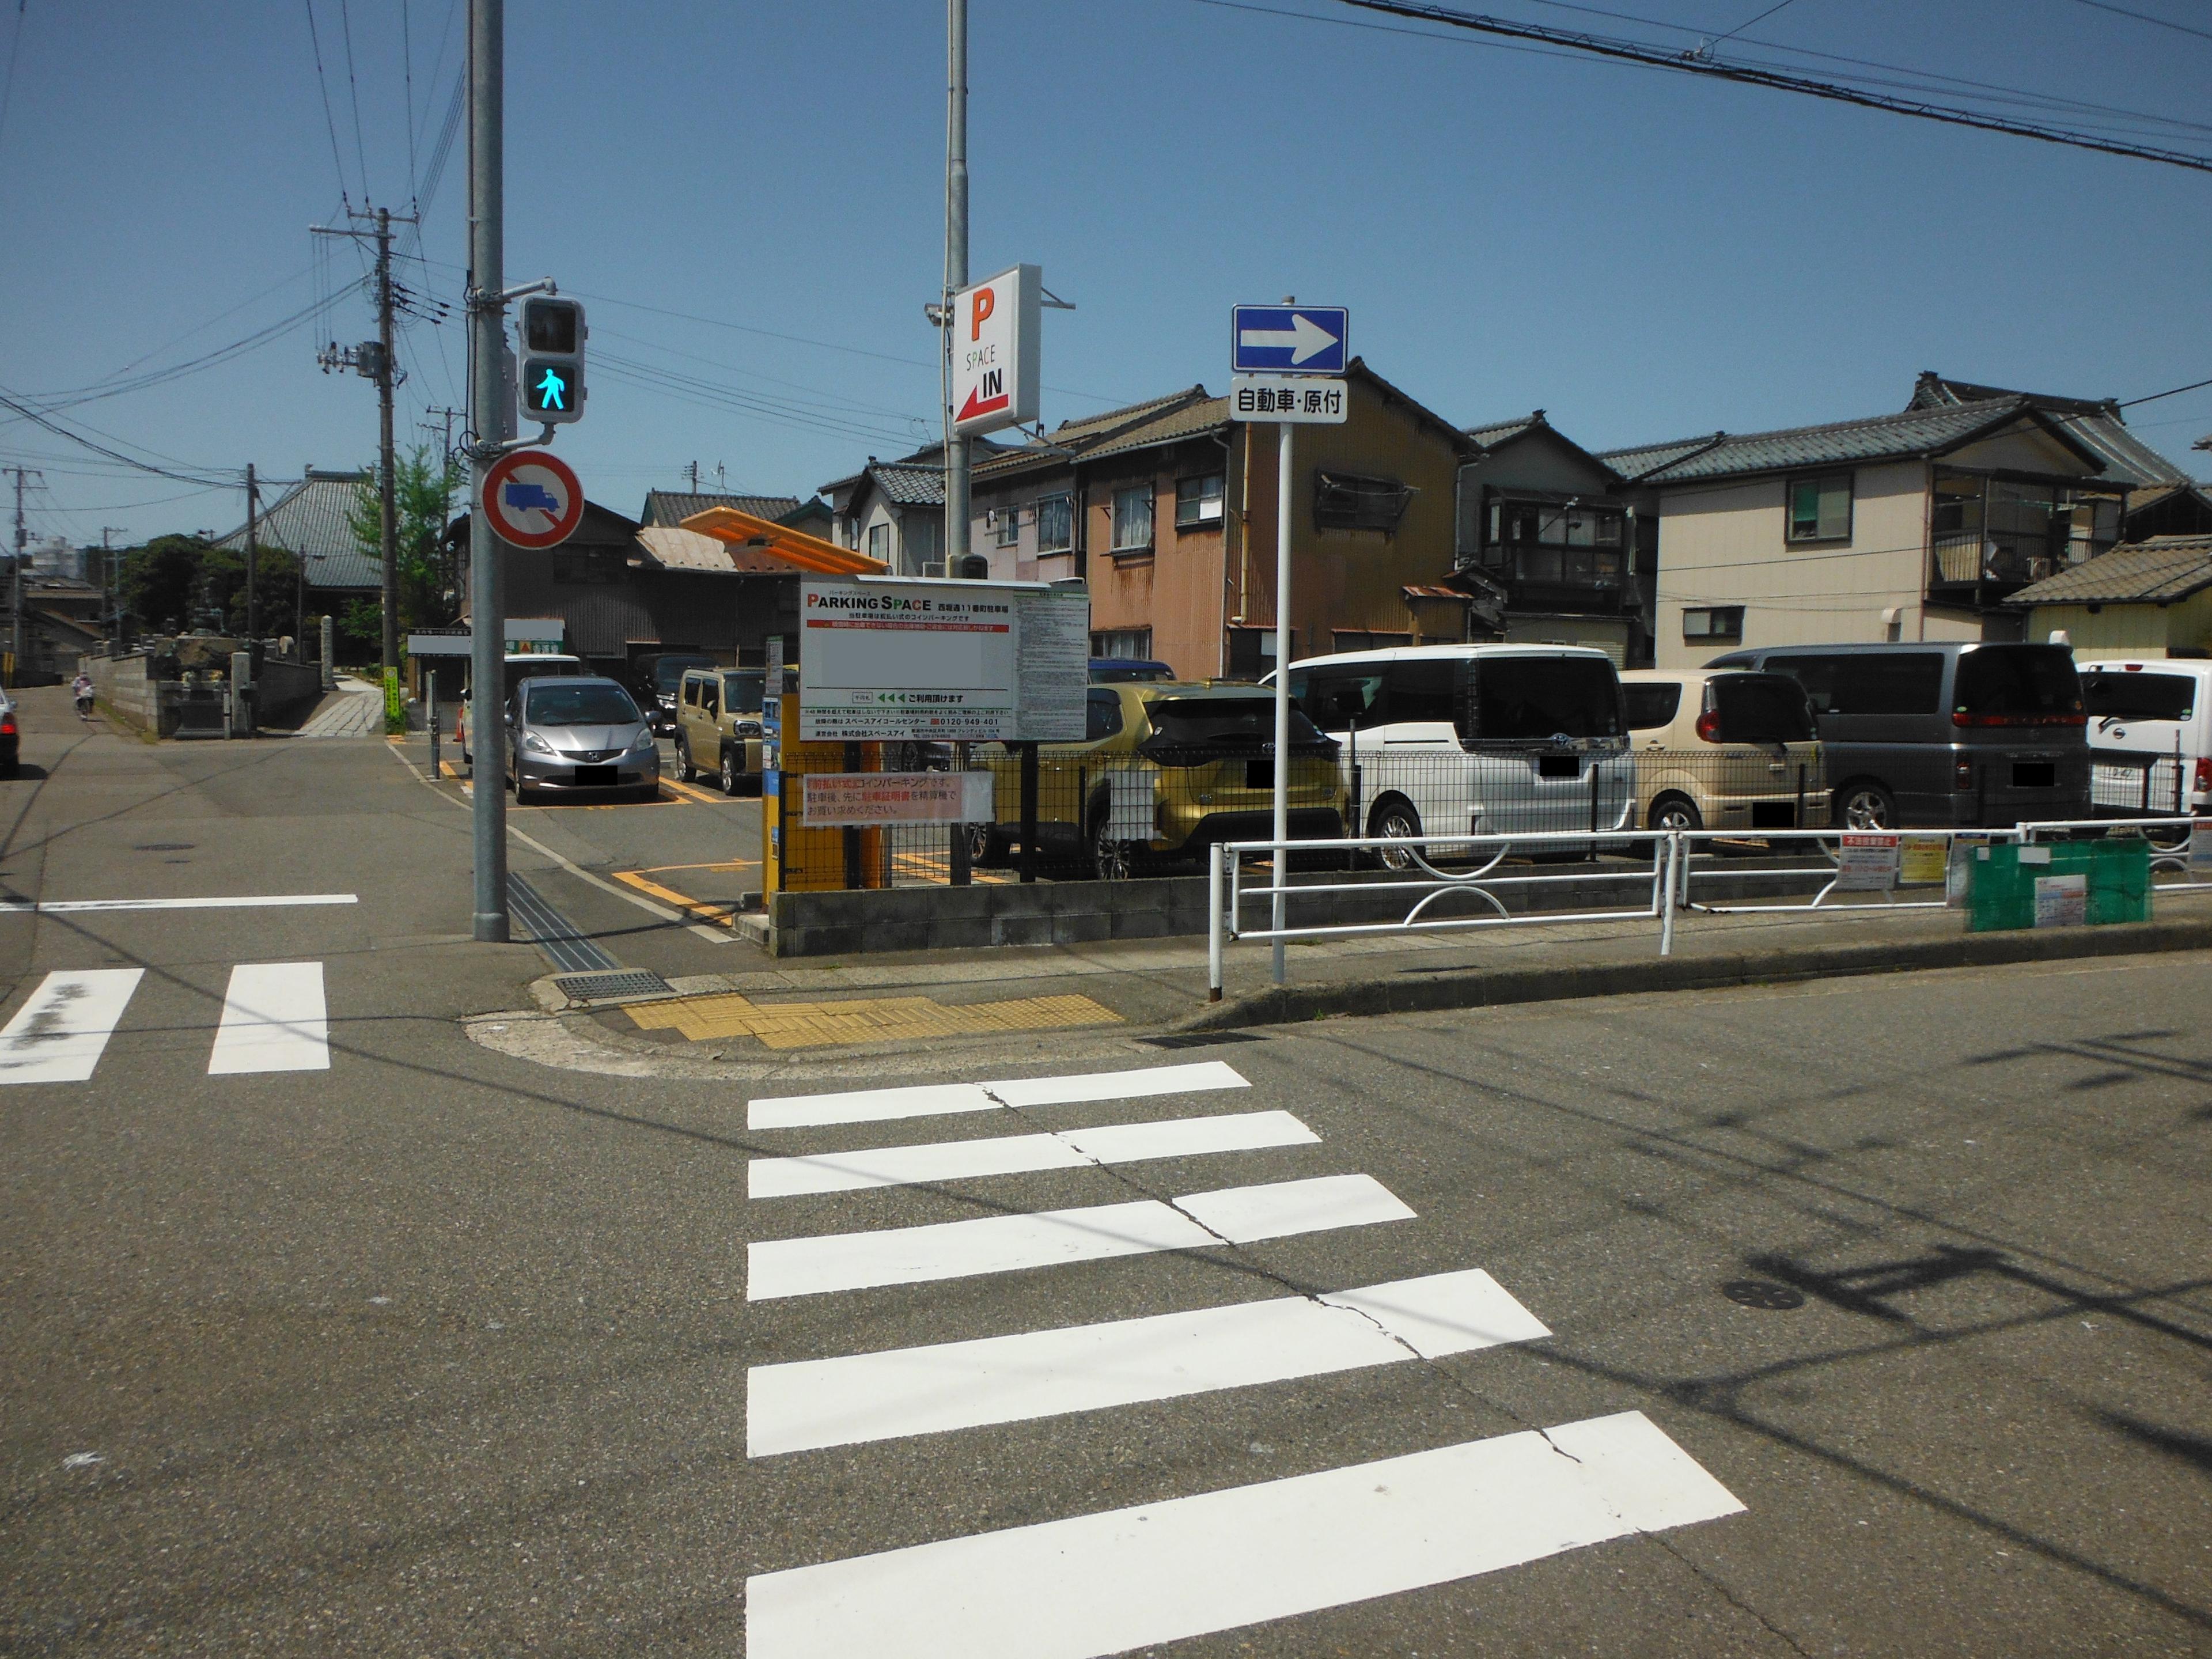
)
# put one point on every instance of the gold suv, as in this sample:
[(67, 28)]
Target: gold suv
[(1165, 770), (718, 725)]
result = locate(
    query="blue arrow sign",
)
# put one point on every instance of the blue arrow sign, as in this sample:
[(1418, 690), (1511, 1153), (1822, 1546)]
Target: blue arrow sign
[(1288, 339)]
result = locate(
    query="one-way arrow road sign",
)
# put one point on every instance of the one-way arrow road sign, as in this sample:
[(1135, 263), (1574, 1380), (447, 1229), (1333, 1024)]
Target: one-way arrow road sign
[(1293, 339)]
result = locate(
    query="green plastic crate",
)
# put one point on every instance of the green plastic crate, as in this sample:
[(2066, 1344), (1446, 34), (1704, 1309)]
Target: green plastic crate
[(2001, 893)]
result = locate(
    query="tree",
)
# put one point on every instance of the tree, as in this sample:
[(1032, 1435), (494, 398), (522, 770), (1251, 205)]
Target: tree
[(423, 499), (159, 582)]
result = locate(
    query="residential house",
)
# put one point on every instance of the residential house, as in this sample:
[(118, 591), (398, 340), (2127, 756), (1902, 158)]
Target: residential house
[(1920, 525), (313, 521), (894, 511), (1571, 551), (1166, 508), (669, 507), (2148, 599)]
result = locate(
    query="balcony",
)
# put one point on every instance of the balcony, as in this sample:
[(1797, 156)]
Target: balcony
[(1558, 556), (1991, 537)]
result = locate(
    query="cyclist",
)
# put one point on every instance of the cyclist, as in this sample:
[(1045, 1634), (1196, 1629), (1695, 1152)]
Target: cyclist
[(80, 689)]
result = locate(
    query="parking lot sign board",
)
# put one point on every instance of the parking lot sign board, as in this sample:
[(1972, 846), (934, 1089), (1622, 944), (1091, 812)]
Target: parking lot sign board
[(532, 499), (994, 350), (1291, 339), (883, 660)]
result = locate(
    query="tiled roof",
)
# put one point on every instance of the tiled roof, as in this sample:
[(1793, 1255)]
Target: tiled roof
[(2097, 424), (1112, 433), (311, 520), (672, 506), (675, 549), (1878, 437), (1496, 431), (908, 486), (2162, 568), (1188, 420)]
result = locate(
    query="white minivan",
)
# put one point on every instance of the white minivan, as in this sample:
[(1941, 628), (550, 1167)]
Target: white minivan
[(2150, 733), (1485, 739)]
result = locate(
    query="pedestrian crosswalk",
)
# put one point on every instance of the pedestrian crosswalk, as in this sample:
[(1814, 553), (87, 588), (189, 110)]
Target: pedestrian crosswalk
[(275, 1019), (1099, 1583)]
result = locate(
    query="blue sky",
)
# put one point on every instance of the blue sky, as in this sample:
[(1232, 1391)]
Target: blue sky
[(1640, 254)]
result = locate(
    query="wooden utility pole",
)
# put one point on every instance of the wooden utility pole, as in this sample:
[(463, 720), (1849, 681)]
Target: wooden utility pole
[(386, 503), (253, 603), (16, 580)]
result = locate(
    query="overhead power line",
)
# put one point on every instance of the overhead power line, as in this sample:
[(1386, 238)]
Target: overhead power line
[(37, 417), (2194, 385), (323, 84), (1722, 69), (2144, 17)]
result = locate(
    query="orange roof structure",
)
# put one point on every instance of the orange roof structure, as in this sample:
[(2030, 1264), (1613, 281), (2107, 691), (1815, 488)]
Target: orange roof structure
[(746, 534)]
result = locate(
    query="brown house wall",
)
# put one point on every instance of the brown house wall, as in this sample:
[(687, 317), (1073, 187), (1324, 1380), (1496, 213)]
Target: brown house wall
[(1177, 593)]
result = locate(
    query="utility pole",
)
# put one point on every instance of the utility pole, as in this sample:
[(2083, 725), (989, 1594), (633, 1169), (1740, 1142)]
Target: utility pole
[(691, 472), (15, 577), (487, 389), (955, 270), (252, 553), (111, 618), (444, 428)]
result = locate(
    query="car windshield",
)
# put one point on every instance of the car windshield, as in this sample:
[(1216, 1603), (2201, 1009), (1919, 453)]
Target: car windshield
[(1761, 709), (2018, 681), (1531, 699), (580, 705), (2115, 694), (1242, 723), (668, 672)]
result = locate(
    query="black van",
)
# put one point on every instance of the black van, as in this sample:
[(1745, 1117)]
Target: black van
[(1959, 736)]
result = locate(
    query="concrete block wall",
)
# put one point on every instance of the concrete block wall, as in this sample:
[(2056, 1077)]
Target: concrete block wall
[(127, 684)]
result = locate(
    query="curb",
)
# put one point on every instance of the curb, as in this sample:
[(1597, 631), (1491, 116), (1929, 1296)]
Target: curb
[(1487, 988)]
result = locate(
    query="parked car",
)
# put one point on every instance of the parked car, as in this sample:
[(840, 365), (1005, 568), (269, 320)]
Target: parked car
[(1956, 736), (2150, 734), (718, 725), (574, 734), (1723, 750), (1126, 671), (1166, 769), (655, 679), (1488, 739), (519, 666)]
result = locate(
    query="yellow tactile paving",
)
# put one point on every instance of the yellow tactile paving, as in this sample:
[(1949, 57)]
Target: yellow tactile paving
[(871, 1019)]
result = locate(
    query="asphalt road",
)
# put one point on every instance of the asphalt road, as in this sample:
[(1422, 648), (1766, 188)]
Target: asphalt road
[(438, 1351)]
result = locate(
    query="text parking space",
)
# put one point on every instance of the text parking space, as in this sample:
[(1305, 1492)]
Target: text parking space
[(1143, 1357)]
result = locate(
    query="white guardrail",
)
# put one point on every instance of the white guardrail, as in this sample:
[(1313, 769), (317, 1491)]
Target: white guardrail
[(1870, 866)]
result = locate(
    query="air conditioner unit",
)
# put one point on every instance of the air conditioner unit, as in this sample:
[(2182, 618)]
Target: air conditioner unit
[(935, 568)]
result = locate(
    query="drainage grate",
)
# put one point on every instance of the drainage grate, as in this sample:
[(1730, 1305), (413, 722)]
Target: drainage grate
[(607, 987), (1763, 1293)]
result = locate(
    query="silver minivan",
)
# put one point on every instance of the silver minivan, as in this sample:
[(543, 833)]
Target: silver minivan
[(1483, 740)]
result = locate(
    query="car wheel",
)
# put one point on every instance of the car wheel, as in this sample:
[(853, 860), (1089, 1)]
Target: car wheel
[(686, 772), (1864, 804), (1393, 816), (986, 848), (1110, 859), (1676, 813), (732, 780)]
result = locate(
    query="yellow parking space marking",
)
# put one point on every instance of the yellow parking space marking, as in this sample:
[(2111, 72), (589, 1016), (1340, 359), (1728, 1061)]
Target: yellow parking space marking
[(692, 792), (447, 769), (875, 1019), (935, 869), (722, 912), (732, 864)]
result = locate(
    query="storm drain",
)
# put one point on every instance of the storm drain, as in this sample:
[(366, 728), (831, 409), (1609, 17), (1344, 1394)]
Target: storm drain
[(554, 933), (611, 985)]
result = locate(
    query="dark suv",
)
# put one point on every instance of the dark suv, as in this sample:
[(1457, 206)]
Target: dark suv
[(654, 680), (1956, 736)]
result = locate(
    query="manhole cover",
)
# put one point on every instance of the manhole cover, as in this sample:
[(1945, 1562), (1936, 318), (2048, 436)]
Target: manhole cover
[(1763, 1293), (163, 846), (605, 987)]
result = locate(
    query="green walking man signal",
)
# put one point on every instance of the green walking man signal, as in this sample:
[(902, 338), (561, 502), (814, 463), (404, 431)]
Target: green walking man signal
[(552, 378)]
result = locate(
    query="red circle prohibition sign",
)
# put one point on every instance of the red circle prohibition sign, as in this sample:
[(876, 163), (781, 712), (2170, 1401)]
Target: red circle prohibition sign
[(532, 499)]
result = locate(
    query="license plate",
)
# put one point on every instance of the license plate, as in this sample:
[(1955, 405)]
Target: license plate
[(1558, 766), (595, 777), (2035, 775)]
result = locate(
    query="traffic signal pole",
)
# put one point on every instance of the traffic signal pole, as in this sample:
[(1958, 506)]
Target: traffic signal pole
[(487, 390), (955, 269)]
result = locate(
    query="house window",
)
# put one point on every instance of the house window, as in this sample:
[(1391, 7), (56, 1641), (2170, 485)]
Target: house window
[(1130, 642), (1820, 508), (1005, 525), (1343, 501), (1713, 621), (879, 541), (1055, 524), (1132, 519), (1198, 502), (1350, 639)]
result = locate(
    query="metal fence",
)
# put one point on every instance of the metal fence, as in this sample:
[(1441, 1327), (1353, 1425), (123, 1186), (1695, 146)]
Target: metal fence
[(1062, 813), (2137, 783)]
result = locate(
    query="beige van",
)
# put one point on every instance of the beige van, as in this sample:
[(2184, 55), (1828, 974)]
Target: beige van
[(1723, 750)]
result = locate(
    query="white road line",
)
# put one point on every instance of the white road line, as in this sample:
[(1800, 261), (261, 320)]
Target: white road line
[(274, 1019), (62, 907), (1106, 1583), (1006, 1243), (58, 1035), (1006, 1379), (934, 1099), (1067, 1149)]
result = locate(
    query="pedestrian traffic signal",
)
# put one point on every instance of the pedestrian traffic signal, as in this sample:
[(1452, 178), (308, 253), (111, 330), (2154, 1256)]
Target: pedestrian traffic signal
[(552, 383)]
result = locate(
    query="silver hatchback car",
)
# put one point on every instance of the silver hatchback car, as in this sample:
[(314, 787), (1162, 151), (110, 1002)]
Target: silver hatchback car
[(574, 734)]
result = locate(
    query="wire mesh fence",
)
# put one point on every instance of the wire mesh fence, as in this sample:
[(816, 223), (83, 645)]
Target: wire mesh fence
[(1093, 812)]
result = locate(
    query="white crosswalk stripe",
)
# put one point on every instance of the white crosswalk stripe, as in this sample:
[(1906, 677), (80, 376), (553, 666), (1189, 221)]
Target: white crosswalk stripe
[(1091, 1585), (59, 1034), (274, 1019)]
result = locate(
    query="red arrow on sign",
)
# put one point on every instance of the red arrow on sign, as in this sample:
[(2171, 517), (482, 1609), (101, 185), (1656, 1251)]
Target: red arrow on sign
[(977, 405)]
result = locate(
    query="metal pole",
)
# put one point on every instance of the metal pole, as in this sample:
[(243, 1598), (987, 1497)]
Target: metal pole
[(955, 269), (15, 586), (253, 605), (488, 329), (1282, 683), (387, 508), (1214, 855)]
